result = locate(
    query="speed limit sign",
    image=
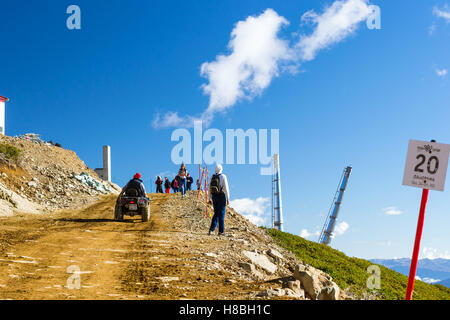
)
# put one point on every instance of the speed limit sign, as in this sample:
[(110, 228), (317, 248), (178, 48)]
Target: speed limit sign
[(426, 168), (426, 165)]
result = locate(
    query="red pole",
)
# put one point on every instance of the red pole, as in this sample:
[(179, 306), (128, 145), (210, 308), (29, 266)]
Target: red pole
[(415, 257)]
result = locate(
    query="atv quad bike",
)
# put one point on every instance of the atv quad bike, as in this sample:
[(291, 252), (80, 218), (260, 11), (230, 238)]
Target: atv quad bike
[(131, 204)]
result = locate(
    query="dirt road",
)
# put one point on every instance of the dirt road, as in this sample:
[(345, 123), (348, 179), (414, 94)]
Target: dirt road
[(85, 254)]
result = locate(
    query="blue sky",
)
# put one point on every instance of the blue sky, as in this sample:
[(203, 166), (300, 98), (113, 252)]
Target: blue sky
[(357, 102)]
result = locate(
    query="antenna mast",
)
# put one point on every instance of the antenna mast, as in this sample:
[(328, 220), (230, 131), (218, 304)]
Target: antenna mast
[(328, 228), (277, 209)]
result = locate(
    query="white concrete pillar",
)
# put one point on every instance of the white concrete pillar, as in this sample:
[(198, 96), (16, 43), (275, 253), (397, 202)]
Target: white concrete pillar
[(107, 163), (105, 172), (2, 114)]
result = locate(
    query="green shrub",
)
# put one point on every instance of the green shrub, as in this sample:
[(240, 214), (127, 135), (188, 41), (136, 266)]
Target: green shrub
[(9, 151), (352, 272)]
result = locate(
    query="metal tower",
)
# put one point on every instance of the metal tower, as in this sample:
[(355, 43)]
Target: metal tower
[(277, 211), (328, 228)]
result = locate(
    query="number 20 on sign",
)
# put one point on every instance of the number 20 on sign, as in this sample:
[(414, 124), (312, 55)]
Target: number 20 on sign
[(426, 168)]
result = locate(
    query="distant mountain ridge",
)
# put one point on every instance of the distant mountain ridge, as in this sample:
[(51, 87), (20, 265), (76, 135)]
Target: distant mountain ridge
[(428, 270)]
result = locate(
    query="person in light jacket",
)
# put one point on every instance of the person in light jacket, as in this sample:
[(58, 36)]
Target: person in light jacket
[(220, 198)]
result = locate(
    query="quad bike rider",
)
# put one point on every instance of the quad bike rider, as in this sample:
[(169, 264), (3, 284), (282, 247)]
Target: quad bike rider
[(133, 200)]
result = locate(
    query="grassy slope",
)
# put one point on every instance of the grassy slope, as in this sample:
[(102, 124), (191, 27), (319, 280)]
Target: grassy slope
[(352, 272)]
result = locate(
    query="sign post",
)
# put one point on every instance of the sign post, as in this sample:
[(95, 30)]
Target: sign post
[(426, 168)]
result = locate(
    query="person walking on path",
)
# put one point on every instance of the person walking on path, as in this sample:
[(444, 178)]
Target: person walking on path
[(182, 174), (189, 181), (167, 185), (175, 185), (159, 183), (220, 198)]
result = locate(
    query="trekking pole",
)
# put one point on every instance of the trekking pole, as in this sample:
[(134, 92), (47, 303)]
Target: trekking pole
[(200, 183)]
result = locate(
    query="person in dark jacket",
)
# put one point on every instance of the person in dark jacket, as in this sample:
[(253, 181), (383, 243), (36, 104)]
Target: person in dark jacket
[(175, 185), (189, 181), (167, 185), (136, 183), (159, 183)]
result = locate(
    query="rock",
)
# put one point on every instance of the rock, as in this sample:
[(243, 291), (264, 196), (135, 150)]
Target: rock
[(316, 283), (309, 280), (247, 266), (243, 241), (331, 292), (294, 285), (261, 261), (250, 268), (272, 293), (32, 184), (275, 254), (294, 294)]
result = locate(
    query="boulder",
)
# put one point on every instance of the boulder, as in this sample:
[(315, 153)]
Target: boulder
[(247, 266), (316, 283), (331, 292), (250, 268), (261, 261)]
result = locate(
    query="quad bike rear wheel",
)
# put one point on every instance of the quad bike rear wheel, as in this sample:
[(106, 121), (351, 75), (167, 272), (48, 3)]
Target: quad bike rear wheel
[(118, 215)]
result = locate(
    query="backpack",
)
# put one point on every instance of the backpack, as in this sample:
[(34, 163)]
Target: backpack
[(214, 185)]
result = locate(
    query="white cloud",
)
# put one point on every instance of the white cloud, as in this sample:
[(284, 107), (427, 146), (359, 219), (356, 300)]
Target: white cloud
[(441, 72), (172, 119), (392, 211), (432, 29), (258, 54), (430, 280), (336, 23), (253, 210), (444, 14), (305, 234), (341, 228), (432, 253)]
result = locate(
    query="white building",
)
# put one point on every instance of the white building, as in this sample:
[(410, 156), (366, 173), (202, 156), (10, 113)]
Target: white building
[(2, 114)]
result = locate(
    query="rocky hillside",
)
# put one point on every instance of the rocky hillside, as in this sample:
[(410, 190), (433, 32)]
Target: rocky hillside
[(37, 177), (249, 254)]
